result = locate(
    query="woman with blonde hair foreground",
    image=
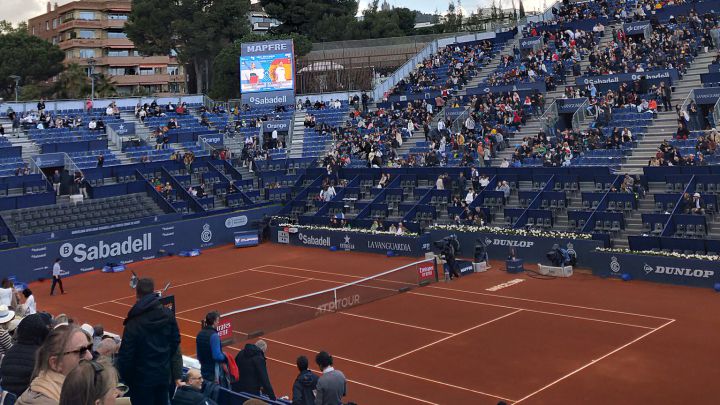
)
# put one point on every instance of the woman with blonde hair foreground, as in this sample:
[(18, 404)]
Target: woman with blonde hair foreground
[(91, 383)]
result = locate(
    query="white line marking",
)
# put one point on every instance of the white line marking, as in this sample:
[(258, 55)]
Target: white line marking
[(448, 337), (550, 302), (393, 371), (530, 310), (594, 361)]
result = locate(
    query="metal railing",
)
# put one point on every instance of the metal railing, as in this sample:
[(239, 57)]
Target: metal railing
[(549, 119), (120, 102), (690, 98), (580, 115), (716, 114)]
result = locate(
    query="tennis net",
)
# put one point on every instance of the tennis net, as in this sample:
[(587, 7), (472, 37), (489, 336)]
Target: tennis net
[(256, 321)]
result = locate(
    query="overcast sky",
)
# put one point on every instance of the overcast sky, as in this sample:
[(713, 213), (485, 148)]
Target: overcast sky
[(21, 10)]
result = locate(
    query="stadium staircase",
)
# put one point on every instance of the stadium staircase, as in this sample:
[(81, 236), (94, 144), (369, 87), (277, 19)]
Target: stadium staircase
[(298, 135), (29, 148), (534, 125), (665, 125), (141, 130)]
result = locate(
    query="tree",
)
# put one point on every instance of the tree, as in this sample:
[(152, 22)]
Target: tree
[(73, 83), (196, 29), (494, 12), (226, 65), (306, 16), (453, 18), (29, 57), (522, 10)]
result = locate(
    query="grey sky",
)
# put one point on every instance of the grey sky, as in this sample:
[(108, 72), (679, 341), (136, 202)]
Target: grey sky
[(21, 10)]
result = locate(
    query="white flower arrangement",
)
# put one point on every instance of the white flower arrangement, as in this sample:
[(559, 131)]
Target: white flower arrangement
[(535, 233), (327, 228), (660, 253)]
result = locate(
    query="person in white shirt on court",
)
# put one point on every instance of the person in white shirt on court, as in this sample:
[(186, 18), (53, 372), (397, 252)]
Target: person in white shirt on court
[(56, 273)]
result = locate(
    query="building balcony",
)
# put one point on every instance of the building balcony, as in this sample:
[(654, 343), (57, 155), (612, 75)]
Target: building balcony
[(96, 43), (126, 61), (146, 79)]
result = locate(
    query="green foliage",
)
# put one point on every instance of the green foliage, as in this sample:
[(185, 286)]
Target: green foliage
[(226, 65), (196, 29), (73, 83), (306, 16), (29, 57)]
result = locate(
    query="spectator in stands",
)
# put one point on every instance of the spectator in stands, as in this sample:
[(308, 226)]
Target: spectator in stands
[(682, 132), (505, 188), (107, 347), (401, 230), (332, 385), (209, 351), (252, 366), (61, 352), (88, 105), (6, 315), (376, 225), (17, 366), (303, 391), (29, 306), (191, 393), (90, 383), (8, 295), (150, 348), (100, 160), (698, 205)]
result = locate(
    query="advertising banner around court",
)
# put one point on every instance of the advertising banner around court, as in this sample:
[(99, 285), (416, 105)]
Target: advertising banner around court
[(520, 87), (50, 160), (637, 28), (213, 139), (605, 82), (123, 128), (570, 105), (279, 125), (531, 249), (247, 239), (532, 42), (267, 74), (354, 241), (93, 252), (707, 96), (659, 269)]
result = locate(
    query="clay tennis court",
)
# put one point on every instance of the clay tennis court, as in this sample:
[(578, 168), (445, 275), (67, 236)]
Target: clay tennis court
[(578, 340)]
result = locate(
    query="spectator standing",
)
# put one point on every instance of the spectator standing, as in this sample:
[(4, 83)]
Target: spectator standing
[(6, 315), (303, 391), (56, 182), (90, 383), (61, 352), (149, 346), (332, 385), (17, 366), (253, 370), (209, 350), (56, 277), (8, 294), (191, 393), (30, 305)]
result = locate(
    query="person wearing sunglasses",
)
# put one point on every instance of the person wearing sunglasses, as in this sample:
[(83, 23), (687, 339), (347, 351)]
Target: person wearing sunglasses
[(62, 351), (92, 383)]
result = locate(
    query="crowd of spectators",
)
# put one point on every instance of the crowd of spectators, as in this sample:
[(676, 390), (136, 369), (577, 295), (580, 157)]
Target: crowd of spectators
[(47, 359)]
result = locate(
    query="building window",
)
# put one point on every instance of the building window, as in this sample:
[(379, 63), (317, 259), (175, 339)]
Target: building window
[(147, 71), (118, 52), (173, 70), (87, 15), (47, 25), (33, 30), (116, 35), (87, 53), (55, 23), (86, 34), (174, 87), (122, 17), (121, 71)]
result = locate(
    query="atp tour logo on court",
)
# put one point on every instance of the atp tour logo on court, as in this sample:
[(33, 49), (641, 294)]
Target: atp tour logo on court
[(338, 304), (614, 265), (346, 244), (206, 234)]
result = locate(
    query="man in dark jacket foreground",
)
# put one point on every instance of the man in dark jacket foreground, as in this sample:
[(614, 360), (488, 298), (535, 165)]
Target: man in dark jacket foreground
[(304, 385), (253, 370), (149, 348), (17, 365), (191, 393)]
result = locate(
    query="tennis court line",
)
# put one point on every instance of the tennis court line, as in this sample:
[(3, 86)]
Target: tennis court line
[(552, 303), (392, 371), (181, 285), (594, 361), (449, 337), (407, 325), (491, 295), (531, 310), (243, 296)]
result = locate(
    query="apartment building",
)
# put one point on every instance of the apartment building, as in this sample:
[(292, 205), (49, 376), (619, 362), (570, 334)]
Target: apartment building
[(91, 33)]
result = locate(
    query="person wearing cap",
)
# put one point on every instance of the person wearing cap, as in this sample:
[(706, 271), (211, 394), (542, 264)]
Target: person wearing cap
[(697, 205), (17, 366), (6, 315)]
